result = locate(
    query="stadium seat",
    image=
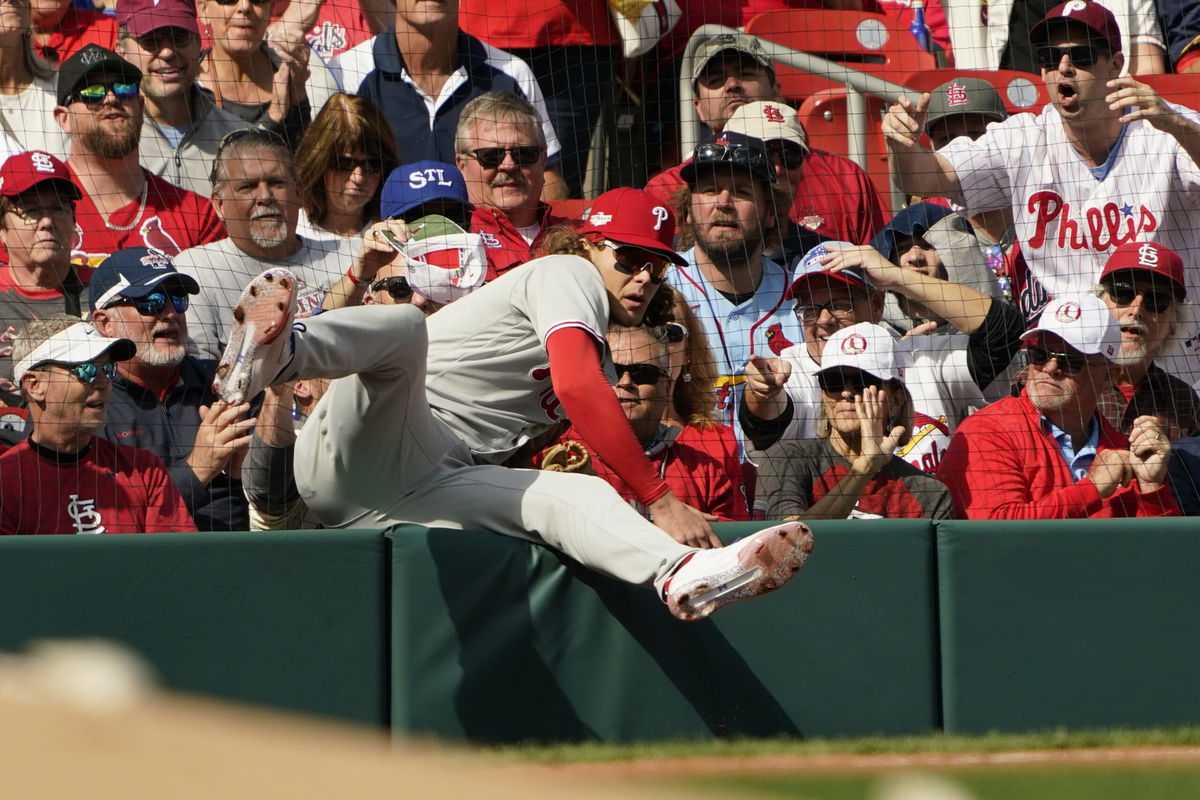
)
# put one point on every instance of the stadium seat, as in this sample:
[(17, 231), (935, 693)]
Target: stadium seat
[(874, 43), (826, 122), (1183, 90), (572, 208), (1019, 90)]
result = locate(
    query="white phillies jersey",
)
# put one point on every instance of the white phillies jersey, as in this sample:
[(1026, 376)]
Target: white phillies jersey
[(489, 373), (1067, 221)]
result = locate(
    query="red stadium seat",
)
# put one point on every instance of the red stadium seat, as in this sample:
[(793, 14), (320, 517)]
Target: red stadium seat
[(1182, 90), (874, 43), (571, 208), (1019, 90), (826, 122)]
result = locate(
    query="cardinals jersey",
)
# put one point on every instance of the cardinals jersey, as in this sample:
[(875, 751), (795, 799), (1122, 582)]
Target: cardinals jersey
[(107, 489), (1068, 220), (172, 220), (765, 324), (492, 344)]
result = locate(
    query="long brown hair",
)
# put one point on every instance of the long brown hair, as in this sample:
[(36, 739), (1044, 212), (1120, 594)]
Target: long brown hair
[(694, 397), (346, 123)]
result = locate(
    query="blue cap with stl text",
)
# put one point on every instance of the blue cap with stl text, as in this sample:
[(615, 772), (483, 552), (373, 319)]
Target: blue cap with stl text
[(411, 185), (133, 272)]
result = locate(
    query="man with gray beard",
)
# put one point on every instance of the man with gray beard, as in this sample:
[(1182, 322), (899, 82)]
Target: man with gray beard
[(123, 204), (161, 399), (256, 193), (1143, 286)]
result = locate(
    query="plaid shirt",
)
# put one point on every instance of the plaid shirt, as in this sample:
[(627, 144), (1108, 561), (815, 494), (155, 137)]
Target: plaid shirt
[(1159, 394)]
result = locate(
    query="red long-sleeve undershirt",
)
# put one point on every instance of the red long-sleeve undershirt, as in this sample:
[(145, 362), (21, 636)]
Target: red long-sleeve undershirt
[(589, 402)]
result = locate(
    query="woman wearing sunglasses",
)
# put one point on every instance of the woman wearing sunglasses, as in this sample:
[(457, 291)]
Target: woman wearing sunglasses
[(850, 469), (342, 161)]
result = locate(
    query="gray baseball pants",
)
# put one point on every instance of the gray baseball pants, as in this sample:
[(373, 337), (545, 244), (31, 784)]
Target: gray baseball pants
[(374, 454)]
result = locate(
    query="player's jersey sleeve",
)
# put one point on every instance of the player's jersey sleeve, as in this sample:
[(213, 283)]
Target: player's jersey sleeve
[(985, 166), (566, 293)]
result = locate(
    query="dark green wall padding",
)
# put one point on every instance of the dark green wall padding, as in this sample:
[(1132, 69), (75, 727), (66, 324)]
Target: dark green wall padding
[(894, 627)]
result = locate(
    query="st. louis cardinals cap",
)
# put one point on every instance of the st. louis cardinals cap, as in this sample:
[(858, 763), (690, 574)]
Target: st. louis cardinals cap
[(143, 16), (965, 96), (632, 217), (807, 267), (22, 172), (1149, 257), (864, 346), (769, 121), (77, 344), (133, 272), (734, 43), (421, 182), (1082, 321), (1084, 12), (78, 69)]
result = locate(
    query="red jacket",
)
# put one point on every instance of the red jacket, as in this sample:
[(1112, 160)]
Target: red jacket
[(506, 247), (1002, 464), (835, 197)]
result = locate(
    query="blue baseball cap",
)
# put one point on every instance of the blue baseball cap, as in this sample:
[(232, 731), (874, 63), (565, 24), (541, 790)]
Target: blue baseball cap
[(133, 272), (807, 267), (412, 185)]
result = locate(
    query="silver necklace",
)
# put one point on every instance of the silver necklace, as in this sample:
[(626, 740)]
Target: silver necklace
[(141, 210)]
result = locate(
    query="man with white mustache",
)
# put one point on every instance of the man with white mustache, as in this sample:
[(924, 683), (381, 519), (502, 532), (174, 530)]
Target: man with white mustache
[(161, 398), (256, 193)]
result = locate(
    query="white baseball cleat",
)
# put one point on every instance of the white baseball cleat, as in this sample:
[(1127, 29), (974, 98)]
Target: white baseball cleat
[(260, 343), (709, 580)]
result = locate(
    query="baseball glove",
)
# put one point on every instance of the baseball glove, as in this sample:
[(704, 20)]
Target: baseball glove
[(567, 456)]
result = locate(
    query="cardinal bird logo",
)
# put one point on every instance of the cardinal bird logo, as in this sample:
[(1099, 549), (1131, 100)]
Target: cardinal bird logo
[(155, 237), (921, 420), (776, 340)]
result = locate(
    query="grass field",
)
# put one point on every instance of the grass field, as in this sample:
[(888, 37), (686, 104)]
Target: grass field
[(1054, 765)]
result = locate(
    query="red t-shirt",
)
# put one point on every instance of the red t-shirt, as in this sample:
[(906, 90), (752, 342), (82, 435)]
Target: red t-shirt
[(110, 489), (538, 23), (834, 198), (173, 220), (505, 246), (79, 28)]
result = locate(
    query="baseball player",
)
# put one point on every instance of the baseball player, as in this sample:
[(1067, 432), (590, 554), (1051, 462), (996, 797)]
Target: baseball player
[(419, 417), (1107, 162)]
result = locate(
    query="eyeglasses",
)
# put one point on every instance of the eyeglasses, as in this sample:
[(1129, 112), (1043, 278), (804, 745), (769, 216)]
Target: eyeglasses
[(89, 372), (836, 381), (1068, 363), (170, 36), (675, 332), (397, 286), (256, 133), (641, 374), (96, 93), (738, 154), (31, 214), (1155, 301), (632, 260), (841, 308), (789, 156), (235, 2), (1081, 55), (369, 166), (493, 157), (153, 304)]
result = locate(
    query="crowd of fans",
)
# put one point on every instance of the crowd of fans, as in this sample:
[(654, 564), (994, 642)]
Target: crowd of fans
[(1016, 342)]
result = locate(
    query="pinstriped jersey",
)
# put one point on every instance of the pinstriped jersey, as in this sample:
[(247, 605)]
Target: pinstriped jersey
[(489, 372)]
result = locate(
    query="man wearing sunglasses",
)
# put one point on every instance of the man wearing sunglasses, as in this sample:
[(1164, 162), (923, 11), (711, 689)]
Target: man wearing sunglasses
[(1107, 162), (37, 227), (123, 203), (63, 478), (1048, 453), (1143, 286), (182, 127), (162, 399)]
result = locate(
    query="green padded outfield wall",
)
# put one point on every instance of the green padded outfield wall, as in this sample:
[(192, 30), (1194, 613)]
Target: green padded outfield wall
[(498, 640), (1079, 623), (295, 620)]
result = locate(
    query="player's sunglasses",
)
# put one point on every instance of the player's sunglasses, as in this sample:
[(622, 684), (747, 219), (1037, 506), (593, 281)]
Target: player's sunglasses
[(1155, 301), (493, 157), (841, 308), (89, 372), (738, 154), (632, 260), (347, 164), (397, 286), (95, 94), (641, 374), (836, 381), (1068, 363), (1081, 55), (153, 304)]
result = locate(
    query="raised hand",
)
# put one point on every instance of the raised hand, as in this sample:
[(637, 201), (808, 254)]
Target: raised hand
[(1141, 100), (875, 447), (904, 121), (1149, 450), (222, 435)]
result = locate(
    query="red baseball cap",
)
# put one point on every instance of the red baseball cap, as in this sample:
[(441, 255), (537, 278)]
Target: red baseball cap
[(143, 16), (1149, 256), (1084, 12), (635, 218), (22, 172)]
